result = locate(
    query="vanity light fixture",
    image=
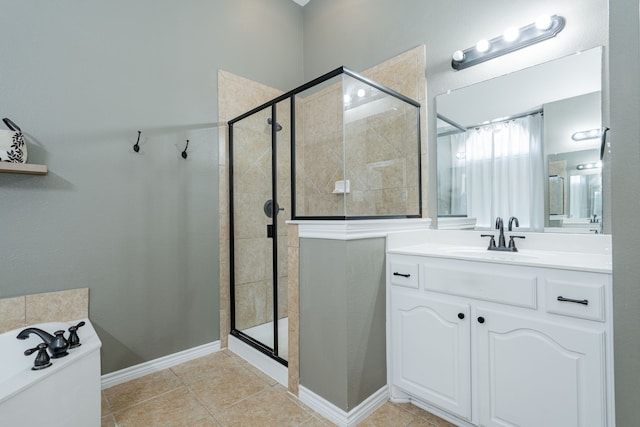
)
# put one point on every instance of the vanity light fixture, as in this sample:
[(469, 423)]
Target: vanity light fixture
[(584, 166), (587, 134), (513, 39)]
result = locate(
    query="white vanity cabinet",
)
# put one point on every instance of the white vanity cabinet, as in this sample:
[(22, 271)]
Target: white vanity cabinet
[(500, 345), (432, 350)]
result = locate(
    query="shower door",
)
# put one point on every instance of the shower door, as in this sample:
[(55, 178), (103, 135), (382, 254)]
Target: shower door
[(259, 207)]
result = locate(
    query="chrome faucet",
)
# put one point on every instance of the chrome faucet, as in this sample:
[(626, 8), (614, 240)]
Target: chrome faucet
[(511, 221), (56, 343)]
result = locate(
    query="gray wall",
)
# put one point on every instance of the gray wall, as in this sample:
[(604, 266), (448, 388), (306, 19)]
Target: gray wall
[(342, 319), (625, 176), (140, 230)]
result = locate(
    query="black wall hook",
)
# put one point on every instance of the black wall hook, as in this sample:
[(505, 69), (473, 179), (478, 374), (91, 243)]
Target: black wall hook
[(136, 147), (184, 152)]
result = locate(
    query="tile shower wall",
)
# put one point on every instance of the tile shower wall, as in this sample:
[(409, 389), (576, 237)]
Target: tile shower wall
[(383, 172)]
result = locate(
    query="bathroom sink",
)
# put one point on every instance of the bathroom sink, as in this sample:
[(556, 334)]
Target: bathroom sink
[(484, 253)]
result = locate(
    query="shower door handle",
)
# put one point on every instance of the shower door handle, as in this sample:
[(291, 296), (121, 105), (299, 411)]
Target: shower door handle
[(270, 231), (269, 208)]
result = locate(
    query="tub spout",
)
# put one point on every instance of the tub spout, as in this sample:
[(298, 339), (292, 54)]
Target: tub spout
[(56, 343)]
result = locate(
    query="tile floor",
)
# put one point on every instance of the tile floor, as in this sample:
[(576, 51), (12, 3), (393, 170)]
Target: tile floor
[(223, 390)]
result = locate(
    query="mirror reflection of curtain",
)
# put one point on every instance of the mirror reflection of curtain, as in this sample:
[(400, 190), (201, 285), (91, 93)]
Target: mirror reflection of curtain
[(452, 199), (585, 196), (505, 172), (458, 175), (578, 197)]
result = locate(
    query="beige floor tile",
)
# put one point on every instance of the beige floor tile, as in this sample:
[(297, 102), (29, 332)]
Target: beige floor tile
[(420, 422), (409, 407), (105, 408), (421, 413), (135, 391), (228, 388), (313, 422), (107, 421), (267, 409), (176, 408), (207, 422), (209, 366), (388, 415)]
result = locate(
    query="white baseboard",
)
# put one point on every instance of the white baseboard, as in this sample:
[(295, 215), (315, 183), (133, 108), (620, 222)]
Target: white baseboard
[(269, 366), (137, 371), (339, 416)]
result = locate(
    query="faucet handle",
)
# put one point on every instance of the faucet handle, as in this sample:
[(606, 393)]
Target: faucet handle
[(59, 345), (512, 243), (42, 358), (74, 339), (492, 242)]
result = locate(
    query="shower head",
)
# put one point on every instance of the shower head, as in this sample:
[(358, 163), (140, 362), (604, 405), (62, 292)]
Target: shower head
[(278, 126)]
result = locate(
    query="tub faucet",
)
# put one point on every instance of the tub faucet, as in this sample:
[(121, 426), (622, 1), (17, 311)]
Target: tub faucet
[(56, 343)]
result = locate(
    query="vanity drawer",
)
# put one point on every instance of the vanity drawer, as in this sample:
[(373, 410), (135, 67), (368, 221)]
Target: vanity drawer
[(582, 300), (463, 279), (404, 274)]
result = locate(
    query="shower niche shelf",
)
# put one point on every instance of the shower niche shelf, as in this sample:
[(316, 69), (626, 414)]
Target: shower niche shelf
[(23, 168)]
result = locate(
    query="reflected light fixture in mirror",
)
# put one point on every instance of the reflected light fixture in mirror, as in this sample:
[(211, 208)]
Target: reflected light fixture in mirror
[(587, 134), (513, 39)]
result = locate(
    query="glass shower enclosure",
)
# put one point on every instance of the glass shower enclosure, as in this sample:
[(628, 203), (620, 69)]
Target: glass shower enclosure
[(341, 147)]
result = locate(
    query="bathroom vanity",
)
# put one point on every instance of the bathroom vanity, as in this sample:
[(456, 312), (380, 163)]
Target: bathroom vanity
[(493, 338)]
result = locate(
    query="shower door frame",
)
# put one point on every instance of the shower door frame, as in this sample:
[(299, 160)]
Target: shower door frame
[(271, 352)]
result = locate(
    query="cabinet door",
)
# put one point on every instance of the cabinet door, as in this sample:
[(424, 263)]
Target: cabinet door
[(431, 351), (533, 373)]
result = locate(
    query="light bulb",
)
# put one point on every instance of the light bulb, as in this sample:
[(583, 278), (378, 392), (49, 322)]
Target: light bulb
[(458, 55), (346, 98), (482, 46), (543, 22), (511, 34), (361, 93)]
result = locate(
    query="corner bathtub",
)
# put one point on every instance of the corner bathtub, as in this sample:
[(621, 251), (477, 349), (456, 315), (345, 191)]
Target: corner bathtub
[(65, 394)]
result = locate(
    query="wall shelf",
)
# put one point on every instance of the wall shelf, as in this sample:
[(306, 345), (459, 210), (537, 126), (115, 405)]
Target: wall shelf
[(23, 168)]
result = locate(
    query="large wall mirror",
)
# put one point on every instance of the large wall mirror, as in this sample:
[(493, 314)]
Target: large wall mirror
[(524, 145)]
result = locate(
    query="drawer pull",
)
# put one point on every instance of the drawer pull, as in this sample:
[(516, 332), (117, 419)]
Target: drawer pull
[(577, 301), (401, 274)]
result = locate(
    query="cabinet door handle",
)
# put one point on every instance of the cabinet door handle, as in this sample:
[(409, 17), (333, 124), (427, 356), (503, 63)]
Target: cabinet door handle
[(460, 316), (577, 301), (395, 273), (480, 319)]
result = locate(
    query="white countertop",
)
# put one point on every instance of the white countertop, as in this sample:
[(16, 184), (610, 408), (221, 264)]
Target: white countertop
[(563, 251)]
